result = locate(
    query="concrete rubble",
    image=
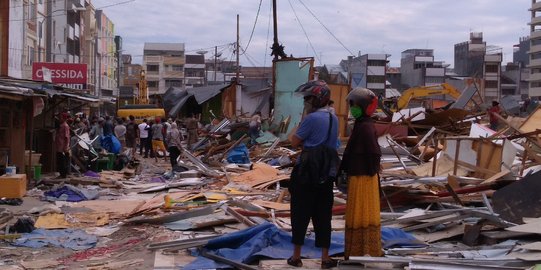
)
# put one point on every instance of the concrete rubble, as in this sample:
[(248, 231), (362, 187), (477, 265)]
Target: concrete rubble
[(469, 196)]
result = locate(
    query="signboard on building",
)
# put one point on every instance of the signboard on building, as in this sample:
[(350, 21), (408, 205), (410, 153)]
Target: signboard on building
[(66, 74)]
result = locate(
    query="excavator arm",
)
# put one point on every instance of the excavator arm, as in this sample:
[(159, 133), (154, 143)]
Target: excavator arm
[(424, 91)]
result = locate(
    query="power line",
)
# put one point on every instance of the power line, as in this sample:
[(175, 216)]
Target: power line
[(255, 23), (304, 31), (344, 46)]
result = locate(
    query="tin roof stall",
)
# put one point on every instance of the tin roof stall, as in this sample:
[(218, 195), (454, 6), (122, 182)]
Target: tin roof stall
[(18, 107)]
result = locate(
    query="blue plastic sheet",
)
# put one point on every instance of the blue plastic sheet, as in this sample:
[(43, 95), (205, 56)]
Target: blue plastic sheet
[(70, 193), (66, 238), (239, 155), (266, 240), (111, 144)]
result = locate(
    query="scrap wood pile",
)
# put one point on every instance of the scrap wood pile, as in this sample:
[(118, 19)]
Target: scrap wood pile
[(454, 193)]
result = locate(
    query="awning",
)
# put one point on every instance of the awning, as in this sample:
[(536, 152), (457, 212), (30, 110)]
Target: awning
[(174, 98)]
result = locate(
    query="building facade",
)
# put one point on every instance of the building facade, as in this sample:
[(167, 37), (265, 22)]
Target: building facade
[(164, 64), (469, 56), (106, 56), (194, 71), (4, 36), (418, 68), (130, 77), (535, 49)]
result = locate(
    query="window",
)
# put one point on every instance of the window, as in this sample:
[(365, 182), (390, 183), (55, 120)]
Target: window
[(375, 79), (377, 63), (173, 83), (152, 84), (491, 84), (153, 68), (54, 29), (30, 56), (492, 68), (177, 67), (40, 30)]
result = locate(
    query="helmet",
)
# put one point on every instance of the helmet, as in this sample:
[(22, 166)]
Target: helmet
[(317, 89), (364, 98)]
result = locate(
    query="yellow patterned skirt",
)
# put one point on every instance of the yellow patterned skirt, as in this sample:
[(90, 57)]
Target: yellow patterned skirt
[(363, 224)]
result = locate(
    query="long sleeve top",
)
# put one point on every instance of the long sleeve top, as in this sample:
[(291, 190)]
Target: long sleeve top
[(362, 155)]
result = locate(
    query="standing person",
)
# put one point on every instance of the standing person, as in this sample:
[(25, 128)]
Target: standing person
[(120, 134), (174, 144), (254, 127), (492, 112), (157, 139), (361, 163), (131, 134), (143, 138), (62, 142), (108, 126), (191, 127), (310, 187), (97, 131)]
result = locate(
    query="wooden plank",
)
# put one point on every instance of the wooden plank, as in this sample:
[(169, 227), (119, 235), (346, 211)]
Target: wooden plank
[(272, 205), (495, 177)]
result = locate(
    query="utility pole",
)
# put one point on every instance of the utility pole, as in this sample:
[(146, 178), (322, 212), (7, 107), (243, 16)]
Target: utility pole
[(215, 60), (238, 98), (237, 49)]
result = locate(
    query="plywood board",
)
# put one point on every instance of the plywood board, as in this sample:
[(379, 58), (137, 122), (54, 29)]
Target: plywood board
[(115, 208), (532, 122), (534, 227), (260, 174), (74, 220), (535, 246), (439, 235), (489, 156), (158, 200), (272, 205), (444, 166)]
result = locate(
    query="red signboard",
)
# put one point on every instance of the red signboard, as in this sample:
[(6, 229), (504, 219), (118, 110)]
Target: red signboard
[(61, 73)]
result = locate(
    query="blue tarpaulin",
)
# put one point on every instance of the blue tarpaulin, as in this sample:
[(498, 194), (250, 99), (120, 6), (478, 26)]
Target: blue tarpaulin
[(66, 238), (266, 240)]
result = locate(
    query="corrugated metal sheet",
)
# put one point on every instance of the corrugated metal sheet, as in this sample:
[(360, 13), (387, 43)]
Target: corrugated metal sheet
[(289, 75)]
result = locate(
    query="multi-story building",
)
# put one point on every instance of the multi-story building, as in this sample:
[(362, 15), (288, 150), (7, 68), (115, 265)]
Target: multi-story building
[(89, 39), (521, 60), (4, 36), (164, 64), (470, 56), (418, 68), (106, 56), (130, 77), (535, 49), (474, 58), (370, 71), (492, 70), (64, 31), (194, 71)]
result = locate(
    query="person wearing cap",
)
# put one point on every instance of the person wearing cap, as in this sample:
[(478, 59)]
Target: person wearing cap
[(311, 184), (492, 112), (62, 142), (361, 163)]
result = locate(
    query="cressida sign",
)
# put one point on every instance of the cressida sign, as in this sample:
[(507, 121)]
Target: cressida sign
[(66, 74)]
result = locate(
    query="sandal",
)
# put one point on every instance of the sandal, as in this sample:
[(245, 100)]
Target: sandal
[(295, 263), (329, 264)]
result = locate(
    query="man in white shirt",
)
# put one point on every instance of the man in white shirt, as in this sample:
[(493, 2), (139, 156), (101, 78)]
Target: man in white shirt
[(143, 138)]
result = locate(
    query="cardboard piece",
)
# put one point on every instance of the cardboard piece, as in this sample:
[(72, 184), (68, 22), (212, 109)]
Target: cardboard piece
[(259, 176), (115, 208), (272, 205), (75, 220), (13, 186), (444, 166)]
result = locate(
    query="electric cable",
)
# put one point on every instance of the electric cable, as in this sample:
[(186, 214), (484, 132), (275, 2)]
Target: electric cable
[(304, 31)]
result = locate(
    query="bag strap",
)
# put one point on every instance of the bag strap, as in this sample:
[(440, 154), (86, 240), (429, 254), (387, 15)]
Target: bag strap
[(329, 130)]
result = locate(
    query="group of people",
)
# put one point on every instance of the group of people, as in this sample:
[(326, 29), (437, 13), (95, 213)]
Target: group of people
[(155, 137), (312, 178)]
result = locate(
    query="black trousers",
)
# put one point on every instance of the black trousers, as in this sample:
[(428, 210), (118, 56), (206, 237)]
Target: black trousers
[(174, 152), (312, 203), (144, 143), (62, 164)]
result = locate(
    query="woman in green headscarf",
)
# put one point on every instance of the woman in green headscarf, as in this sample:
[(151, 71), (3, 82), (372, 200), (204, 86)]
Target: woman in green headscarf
[(361, 163)]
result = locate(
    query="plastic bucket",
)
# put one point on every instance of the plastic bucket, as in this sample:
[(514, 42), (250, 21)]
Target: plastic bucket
[(11, 170), (37, 172)]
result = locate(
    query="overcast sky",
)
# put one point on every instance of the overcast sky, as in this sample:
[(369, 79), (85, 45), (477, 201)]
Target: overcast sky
[(365, 26)]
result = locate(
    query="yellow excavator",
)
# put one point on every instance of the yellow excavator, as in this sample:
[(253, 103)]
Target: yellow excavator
[(403, 101), (141, 109)]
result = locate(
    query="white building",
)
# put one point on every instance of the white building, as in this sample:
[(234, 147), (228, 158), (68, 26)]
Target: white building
[(418, 68), (535, 49), (164, 64)]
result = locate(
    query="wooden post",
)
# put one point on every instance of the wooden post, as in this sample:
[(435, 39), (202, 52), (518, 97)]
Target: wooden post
[(457, 149), (435, 157)]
